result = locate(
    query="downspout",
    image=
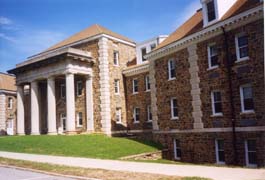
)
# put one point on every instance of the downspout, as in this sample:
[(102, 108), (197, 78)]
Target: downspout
[(228, 64)]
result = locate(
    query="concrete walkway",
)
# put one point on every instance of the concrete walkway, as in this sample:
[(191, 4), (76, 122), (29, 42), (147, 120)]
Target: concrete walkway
[(217, 173)]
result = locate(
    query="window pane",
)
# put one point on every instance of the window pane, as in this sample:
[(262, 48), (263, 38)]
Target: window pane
[(248, 104), (143, 53), (242, 41), (251, 145), (220, 144), (214, 61), (252, 158), (210, 11), (243, 52), (153, 46), (247, 92), (217, 96), (221, 156)]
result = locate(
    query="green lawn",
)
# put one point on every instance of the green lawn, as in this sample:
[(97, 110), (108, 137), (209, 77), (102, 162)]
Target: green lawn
[(93, 146)]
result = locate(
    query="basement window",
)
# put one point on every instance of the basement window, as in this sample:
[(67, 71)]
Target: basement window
[(177, 150), (250, 153), (219, 151)]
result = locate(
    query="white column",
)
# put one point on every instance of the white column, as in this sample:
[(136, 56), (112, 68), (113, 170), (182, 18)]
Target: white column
[(51, 105), (70, 103), (20, 111), (89, 104), (35, 121)]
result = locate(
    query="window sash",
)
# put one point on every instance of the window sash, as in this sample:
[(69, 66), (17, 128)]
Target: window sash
[(174, 108), (152, 46), (216, 102), (118, 115), (211, 11), (80, 118), (136, 114), (63, 91), (241, 46), (149, 113), (116, 86), (247, 102), (135, 86), (171, 69), (177, 149), (79, 87), (143, 52), (212, 56), (220, 153), (251, 153), (116, 58), (147, 83)]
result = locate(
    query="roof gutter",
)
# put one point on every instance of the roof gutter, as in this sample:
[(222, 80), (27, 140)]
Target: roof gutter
[(153, 55)]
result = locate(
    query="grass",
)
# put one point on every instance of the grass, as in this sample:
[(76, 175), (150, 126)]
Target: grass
[(91, 173), (92, 146)]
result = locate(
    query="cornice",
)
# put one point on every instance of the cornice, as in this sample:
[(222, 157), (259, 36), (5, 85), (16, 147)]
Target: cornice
[(207, 32), (131, 71)]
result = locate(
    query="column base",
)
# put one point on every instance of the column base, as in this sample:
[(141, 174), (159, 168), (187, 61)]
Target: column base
[(52, 133), (35, 134), (70, 132), (20, 134)]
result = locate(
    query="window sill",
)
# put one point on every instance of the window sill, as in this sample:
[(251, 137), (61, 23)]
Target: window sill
[(119, 123), (136, 122), (149, 121), (135, 93), (251, 165), (247, 112), (116, 65), (217, 115), (171, 79), (79, 126), (117, 94), (174, 118), (220, 163), (147, 90), (212, 68), (177, 158), (242, 59)]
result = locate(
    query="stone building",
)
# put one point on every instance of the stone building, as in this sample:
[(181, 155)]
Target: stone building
[(7, 104), (199, 91)]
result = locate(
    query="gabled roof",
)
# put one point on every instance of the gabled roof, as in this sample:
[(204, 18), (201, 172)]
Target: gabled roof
[(87, 33), (7, 82), (195, 23)]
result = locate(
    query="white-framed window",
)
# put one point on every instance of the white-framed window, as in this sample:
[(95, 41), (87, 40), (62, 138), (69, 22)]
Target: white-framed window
[(149, 113), (118, 115), (174, 108), (246, 97), (117, 86), (63, 121), (171, 69), (177, 150), (147, 83), (79, 88), (216, 98), (79, 119), (136, 115), (135, 86), (62, 90), (219, 151), (116, 58), (211, 12), (10, 103), (143, 52), (241, 47), (152, 46), (212, 56), (251, 153)]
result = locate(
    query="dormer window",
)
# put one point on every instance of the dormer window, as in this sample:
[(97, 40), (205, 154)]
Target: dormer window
[(211, 14)]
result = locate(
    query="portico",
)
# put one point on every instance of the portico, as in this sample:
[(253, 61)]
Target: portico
[(41, 73)]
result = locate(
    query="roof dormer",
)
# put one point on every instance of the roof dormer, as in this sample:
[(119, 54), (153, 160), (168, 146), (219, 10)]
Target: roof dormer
[(213, 10)]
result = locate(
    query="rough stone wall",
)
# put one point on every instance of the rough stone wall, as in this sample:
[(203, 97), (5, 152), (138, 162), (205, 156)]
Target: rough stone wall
[(249, 71), (126, 54), (179, 88), (2, 114), (141, 100), (200, 147), (93, 48)]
